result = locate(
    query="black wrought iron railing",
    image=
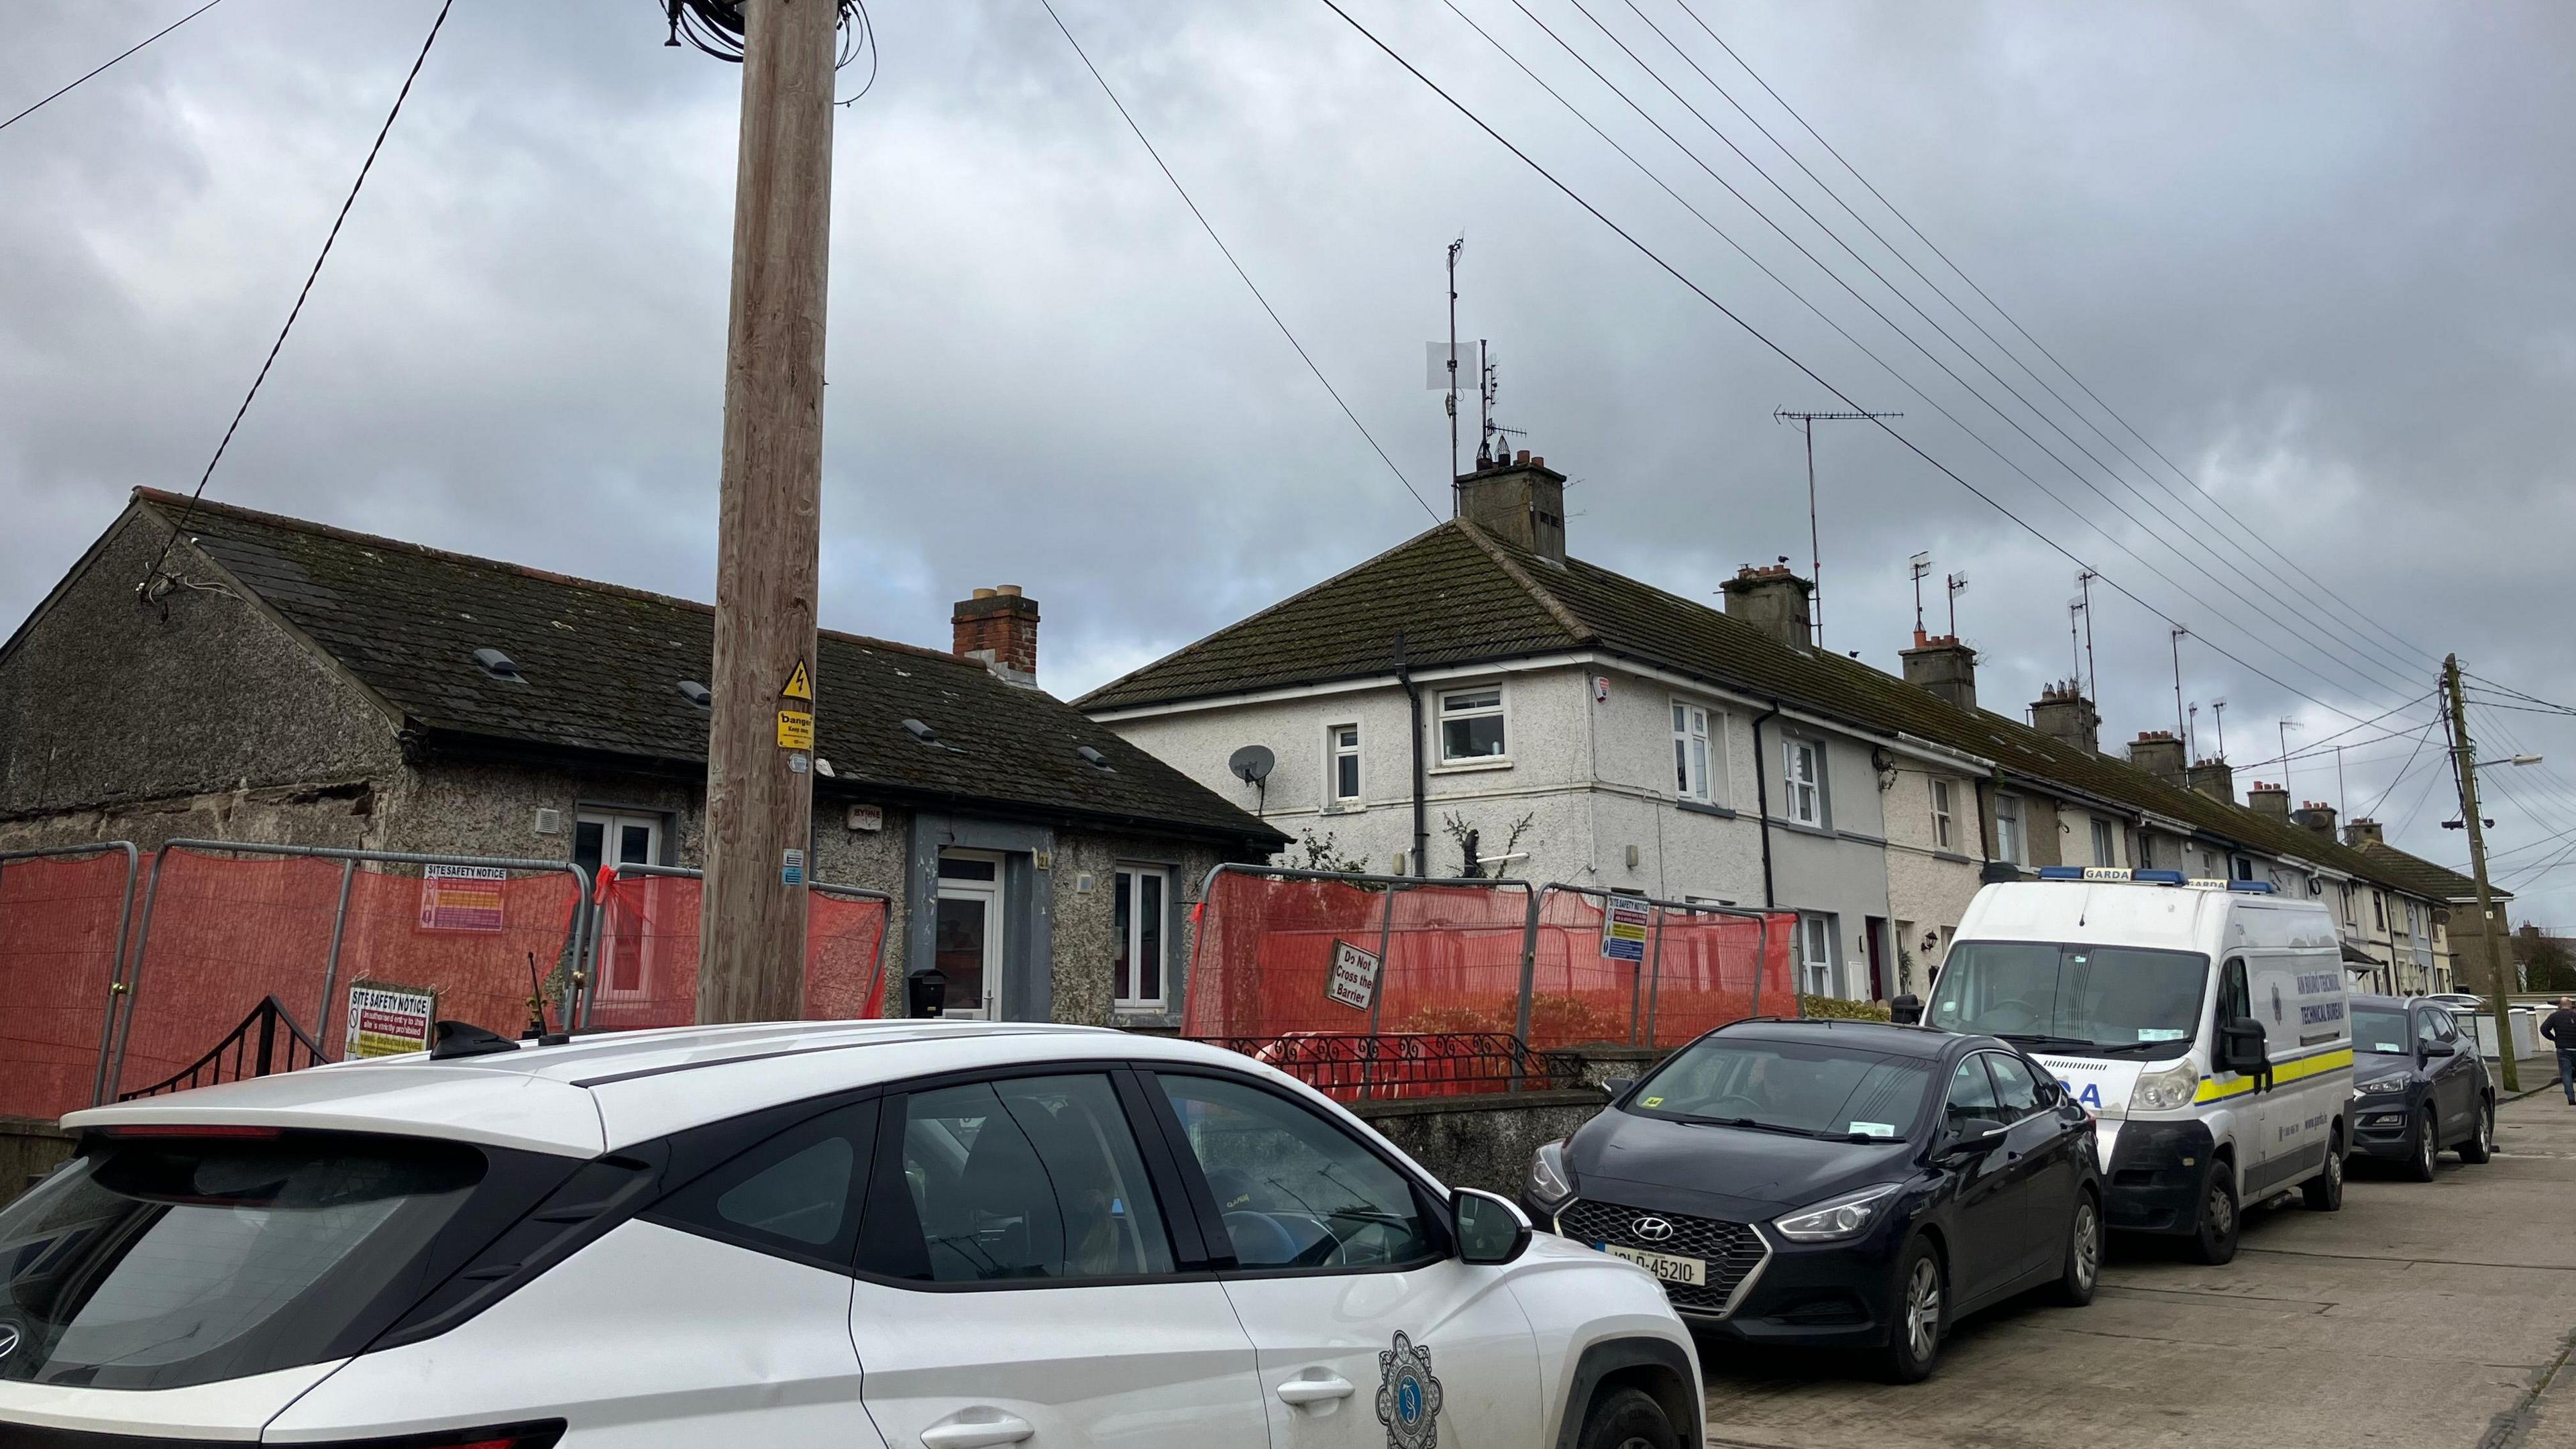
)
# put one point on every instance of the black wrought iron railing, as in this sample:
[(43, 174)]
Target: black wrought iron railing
[(1354, 1066), (268, 1040)]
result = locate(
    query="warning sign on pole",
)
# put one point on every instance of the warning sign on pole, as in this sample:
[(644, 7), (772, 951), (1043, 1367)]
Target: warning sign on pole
[(464, 897), (1623, 928), (800, 685), (1354, 980), (387, 1021)]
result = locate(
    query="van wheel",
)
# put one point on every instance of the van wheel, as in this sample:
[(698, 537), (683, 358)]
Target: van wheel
[(2481, 1146), (2213, 1238), (1628, 1419), (1922, 1315), (2324, 1192), (2421, 1146), (2083, 1270)]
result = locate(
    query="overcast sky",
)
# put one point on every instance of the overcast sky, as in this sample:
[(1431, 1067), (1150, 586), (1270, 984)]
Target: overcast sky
[(2318, 256)]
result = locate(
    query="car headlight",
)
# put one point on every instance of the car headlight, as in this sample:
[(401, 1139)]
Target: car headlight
[(1847, 1216), (1551, 1181), (2384, 1084), (2167, 1090)]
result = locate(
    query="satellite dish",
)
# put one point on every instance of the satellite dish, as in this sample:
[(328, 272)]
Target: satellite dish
[(1252, 763)]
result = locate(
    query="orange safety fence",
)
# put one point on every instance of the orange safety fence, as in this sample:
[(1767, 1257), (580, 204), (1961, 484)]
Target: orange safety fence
[(222, 931), (1276, 953), (1659, 975), (645, 962), (62, 922)]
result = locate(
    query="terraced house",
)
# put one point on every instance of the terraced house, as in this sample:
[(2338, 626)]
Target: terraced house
[(1477, 698)]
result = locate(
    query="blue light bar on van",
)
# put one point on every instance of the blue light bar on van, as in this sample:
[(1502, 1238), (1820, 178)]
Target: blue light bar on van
[(2251, 887), (2085, 872), (2156, 877), (2061, 872)]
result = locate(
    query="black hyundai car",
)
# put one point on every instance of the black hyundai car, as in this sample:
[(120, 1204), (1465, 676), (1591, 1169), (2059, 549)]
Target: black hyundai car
[(2418, 1085), (1838, 1184)]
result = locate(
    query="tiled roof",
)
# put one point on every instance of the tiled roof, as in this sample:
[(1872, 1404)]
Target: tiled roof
[(2423, 877), (1461, 596), (603, 665)]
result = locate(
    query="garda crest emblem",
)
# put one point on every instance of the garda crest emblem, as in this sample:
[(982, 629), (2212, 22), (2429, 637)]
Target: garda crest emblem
[(1408, 1397)]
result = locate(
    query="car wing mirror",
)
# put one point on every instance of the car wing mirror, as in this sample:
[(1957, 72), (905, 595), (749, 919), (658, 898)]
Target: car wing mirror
[(1906, 1010), (1489, 1229), (1616, 1087), (2241, 1046), (2432, 1049)]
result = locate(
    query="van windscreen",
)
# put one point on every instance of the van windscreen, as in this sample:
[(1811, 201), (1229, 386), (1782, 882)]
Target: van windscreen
[(156, 1262), (2072, 997)]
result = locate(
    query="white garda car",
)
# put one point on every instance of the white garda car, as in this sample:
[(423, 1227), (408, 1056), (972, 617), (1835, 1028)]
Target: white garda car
[(835, 1235)]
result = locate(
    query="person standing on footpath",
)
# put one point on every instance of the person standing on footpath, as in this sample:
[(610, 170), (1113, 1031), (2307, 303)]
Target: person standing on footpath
[(2560, 1028)]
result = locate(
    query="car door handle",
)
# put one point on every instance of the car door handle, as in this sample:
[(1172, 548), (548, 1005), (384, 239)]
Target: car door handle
[(978, 1433), (1298, 1393)]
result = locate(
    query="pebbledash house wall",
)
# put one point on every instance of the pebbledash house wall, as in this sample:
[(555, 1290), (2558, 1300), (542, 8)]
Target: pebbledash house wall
[(201, 715)]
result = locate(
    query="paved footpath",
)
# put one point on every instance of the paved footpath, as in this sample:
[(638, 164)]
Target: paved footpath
[(2423, 1314)]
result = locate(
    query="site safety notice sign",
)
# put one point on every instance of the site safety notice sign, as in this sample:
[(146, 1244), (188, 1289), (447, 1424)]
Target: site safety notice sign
[(463, 897), (1354, 978), (1623, 928), (387, 1021)]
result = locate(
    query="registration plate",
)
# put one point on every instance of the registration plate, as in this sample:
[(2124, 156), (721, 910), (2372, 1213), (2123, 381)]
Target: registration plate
[(1691, 1272)]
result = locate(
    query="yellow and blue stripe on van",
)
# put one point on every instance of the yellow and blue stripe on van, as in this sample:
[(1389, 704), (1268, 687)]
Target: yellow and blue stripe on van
[(2212, 1089)]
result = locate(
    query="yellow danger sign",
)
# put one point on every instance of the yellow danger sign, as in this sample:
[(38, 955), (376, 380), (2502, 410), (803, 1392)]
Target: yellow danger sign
[(795, 730), (799, 685)]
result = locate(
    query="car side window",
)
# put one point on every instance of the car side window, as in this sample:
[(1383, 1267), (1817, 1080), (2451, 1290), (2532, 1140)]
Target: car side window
[(2444, 1028), (2235, 1003), (1019, 1179), (794, 1195), (2428, 1025), (1972, 1093), (1295, 1190), (2016, 1086)]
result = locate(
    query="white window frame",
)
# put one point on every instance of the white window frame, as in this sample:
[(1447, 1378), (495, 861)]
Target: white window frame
[(1803, 794), (1335, 751), (2012, 831), (1694, 729), (1943, 830), (1122, 995), (617, 950), (1815, 971), (2106, 841), (1499, 710)]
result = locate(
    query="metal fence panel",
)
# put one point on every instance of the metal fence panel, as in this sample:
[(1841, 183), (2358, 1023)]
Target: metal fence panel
[(1682, 969), (644, 957), (64, 915)]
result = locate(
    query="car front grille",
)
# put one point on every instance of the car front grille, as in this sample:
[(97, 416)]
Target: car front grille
[(1732, 1251)]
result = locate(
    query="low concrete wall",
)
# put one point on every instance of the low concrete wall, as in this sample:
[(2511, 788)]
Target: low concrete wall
[(29, 1149), (1482, 1141)]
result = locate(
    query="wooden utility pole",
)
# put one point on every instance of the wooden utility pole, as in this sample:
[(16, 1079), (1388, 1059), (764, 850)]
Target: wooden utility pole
[(2464, 765), (759, 822)]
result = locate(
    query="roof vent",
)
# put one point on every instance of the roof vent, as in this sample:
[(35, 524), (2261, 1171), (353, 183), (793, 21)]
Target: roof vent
[(697, 694), (921, 732), (498, 665), (1098, 760)]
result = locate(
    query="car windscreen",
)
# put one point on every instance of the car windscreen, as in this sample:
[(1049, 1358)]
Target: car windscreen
[(2381, 1029), (2071, 997), (157, 1262), (1821, 1089)]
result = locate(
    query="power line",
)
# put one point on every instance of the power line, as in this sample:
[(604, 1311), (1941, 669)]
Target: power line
[(2402, 772), (1810, 373), (138, 45), (1210, 229), (297, 310), (2326, 646), (2025, 334)]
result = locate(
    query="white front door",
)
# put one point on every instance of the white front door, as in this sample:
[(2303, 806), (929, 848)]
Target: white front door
[(628, 938), (967, 946), (1370, 1331)]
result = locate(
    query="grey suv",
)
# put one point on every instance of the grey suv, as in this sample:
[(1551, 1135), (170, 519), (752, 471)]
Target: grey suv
[(2418, 1085)]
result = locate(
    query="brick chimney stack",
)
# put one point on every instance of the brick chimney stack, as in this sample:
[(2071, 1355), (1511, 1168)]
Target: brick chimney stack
[(1942, 665), (998, 628), (2318, 816), (2213, 778), (1773, 600), (2272, 800), (2063, 713), (1519, 500), (2159, 754), (2361, 831)]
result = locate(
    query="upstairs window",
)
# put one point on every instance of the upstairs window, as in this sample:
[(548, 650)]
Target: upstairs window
[(1344, 743), (1471, 726), (2010, 844), (1805, 774), (1942, 829), (1690, 751), (2379, 910), (2106, 843)]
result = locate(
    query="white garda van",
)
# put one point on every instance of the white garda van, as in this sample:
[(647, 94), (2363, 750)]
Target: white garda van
[(2202, 1022)]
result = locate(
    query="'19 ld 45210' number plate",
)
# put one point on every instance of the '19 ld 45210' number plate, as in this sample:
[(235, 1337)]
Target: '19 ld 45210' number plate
[(1670, 1267)]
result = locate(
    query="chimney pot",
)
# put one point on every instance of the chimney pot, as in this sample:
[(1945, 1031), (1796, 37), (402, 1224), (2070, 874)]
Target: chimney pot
[(984, 593)]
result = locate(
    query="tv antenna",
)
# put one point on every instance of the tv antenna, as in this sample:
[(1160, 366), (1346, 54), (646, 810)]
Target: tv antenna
[(2084, 578), (2179, 634), (2218, 713), (1957, 584), (2191, 735), (1919, 565), (1816, 568), (1443, 371)]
